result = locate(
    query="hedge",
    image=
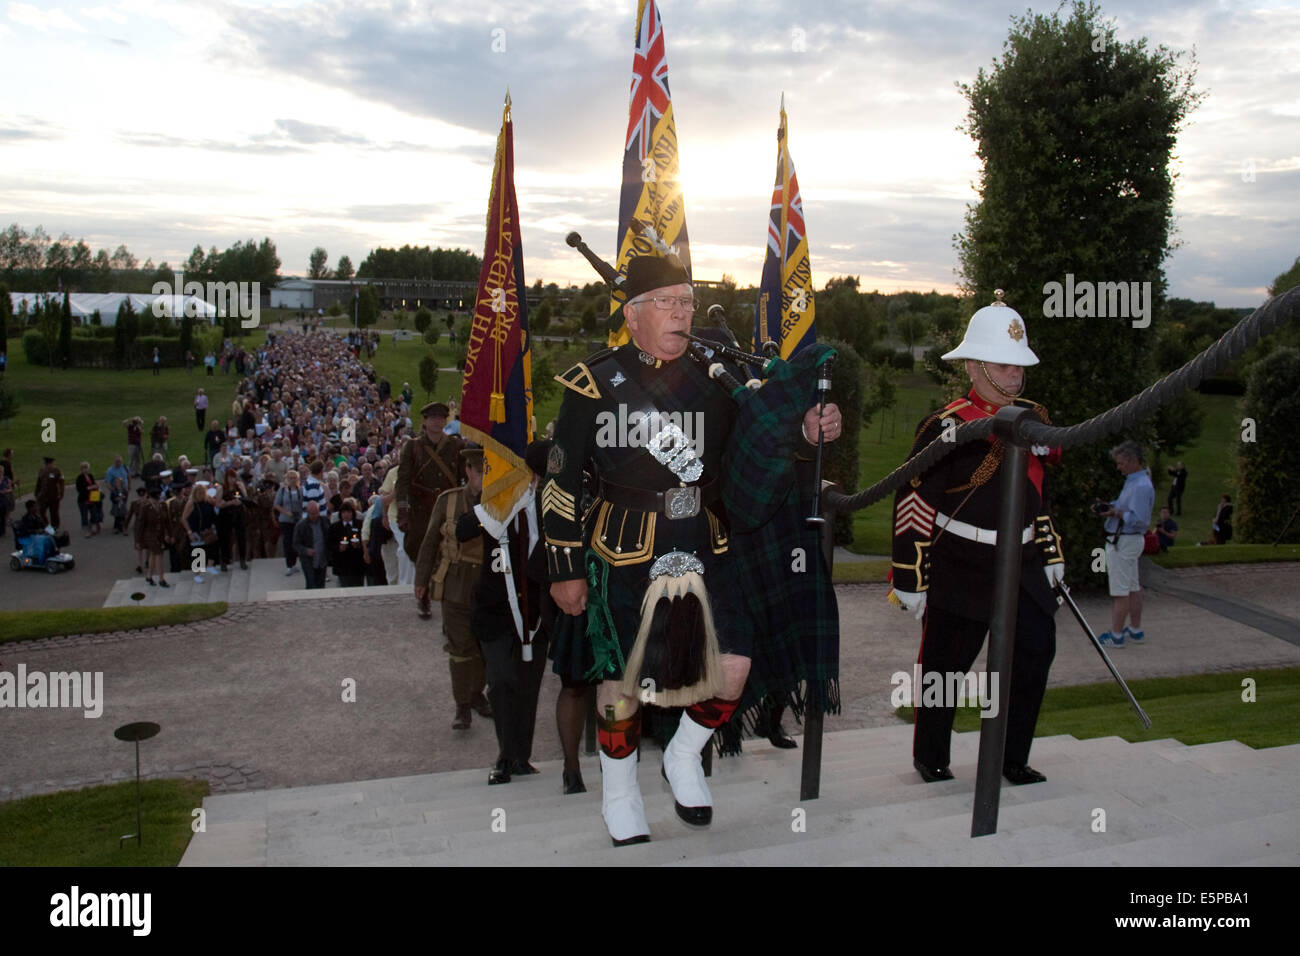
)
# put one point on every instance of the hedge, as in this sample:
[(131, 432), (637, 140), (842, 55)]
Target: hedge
[(94, 352)]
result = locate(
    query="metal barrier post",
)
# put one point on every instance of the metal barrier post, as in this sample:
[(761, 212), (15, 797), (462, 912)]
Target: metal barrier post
[(1002, 626), (810, 781)]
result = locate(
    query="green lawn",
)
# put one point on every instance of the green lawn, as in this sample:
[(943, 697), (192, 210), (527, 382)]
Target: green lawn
[(872, 571), (1198, 709), (883, 446), (88, 406), (1185, 554), (82, 827), (1211, 467), (33, 625)]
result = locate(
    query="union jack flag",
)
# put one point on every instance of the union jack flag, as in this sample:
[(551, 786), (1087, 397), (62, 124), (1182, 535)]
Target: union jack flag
[(785, 313), (651, 192)]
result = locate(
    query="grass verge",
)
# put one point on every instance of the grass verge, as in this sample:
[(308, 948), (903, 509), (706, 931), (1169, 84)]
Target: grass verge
[(1181, 556), (33, 625), (1197, 709), (82, 827), (860, 572)]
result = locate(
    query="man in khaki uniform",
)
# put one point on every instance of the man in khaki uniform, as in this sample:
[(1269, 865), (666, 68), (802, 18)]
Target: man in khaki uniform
[(428, 466), (447, 570), (49, 492)]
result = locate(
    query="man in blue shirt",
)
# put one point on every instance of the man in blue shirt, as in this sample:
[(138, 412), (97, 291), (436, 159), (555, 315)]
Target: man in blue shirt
[(1127, 520)]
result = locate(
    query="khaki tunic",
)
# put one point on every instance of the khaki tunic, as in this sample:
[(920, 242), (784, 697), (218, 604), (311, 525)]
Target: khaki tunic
[(424, 471), (450, 570)]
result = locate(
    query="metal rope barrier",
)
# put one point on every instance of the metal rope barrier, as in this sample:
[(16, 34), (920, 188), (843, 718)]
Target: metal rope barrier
[(1231, 345)]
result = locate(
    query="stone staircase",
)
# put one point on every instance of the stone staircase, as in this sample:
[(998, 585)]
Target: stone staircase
[(1164, 804), (264, 580)]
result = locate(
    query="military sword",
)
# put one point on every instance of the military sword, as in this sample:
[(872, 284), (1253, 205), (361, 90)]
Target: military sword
[(1078, 616)]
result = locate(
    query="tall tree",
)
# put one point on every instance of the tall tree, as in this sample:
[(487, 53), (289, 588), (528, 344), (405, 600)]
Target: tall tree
[(48, 321), (368, 306), (65, 332), (1269, 454), (6, 312), (428, 374), (1075, 132), (316, 264), (344, 268), (187, 333), (197, 264)]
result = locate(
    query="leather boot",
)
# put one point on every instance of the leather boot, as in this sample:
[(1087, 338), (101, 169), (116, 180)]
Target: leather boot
[(621, 804), (775, 732), (463, 718), (684, 771)]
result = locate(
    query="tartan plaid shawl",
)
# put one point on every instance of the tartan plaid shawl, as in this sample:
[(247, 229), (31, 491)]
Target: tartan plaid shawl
[(793, 615), (758, 465)]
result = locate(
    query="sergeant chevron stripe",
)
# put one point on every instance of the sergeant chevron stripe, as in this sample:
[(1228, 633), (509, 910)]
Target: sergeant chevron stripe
[(914, 515), (556, 499)]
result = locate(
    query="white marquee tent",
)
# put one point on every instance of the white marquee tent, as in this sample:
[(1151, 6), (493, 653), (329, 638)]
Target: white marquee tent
[(85, 304)]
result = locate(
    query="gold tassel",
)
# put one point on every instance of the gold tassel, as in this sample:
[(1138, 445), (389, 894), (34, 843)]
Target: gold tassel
[(497, 407)]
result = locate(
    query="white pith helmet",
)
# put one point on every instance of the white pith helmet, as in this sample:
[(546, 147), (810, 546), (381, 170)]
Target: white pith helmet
[(996, 334)]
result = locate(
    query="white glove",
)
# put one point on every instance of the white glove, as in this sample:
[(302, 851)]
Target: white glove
[(1042, 451), (1055, 574), (911, 602)]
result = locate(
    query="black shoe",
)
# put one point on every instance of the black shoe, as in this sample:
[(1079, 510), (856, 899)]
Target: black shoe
[(573, 782), (163, 582), (150, 582), (931, 774), (522, 768), (481, 705), (781, 739), (693, 816), (1020, 774), (463, 717), (500, 773)]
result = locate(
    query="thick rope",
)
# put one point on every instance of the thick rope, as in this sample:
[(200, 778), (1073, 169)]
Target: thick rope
[(1234, 343)]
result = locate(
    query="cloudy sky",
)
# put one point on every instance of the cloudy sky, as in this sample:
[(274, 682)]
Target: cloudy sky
[(355, 123)]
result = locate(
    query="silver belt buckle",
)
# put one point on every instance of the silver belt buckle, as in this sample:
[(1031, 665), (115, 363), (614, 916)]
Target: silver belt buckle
[(682, 502)]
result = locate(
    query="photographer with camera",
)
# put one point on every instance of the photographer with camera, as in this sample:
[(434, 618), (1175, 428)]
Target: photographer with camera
[(1127, 519)]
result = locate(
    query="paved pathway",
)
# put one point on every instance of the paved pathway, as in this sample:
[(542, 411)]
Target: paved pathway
[(256, 697)]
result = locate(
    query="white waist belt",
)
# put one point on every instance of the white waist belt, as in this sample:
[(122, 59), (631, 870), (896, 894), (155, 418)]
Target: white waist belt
[(973, 533)]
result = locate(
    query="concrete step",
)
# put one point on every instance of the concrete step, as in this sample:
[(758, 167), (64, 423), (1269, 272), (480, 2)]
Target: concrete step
[(873, 810)]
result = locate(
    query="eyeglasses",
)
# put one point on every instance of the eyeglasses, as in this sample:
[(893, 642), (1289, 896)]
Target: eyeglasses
[(665, 302)]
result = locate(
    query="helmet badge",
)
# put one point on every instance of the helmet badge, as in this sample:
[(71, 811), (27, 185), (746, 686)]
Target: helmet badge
[(1016, 330)]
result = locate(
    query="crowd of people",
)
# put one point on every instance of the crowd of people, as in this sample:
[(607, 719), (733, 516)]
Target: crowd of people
[(303, 466)]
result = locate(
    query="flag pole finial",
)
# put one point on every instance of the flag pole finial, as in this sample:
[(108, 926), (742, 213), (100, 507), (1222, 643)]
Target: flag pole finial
[(783, 101)]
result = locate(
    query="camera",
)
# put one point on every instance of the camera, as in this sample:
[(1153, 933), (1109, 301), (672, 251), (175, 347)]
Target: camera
[(1099, 507)]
